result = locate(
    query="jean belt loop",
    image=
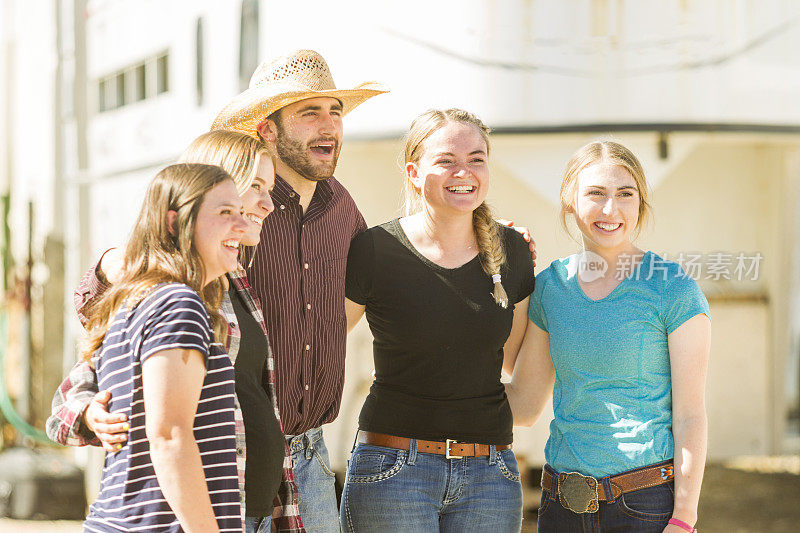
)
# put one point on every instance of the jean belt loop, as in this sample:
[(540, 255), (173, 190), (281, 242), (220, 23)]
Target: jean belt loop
[(292, 443), (606, 481), (553, 486), (492, 454), (412, 452), (308, 444)]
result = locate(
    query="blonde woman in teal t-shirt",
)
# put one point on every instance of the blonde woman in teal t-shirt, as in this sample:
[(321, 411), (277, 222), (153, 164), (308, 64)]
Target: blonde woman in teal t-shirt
[(621, 337)]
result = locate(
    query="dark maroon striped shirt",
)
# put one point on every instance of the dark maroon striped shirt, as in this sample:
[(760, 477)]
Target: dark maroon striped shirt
[(298, 273)]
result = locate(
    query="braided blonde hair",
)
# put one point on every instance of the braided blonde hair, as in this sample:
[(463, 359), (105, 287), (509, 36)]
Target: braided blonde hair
[(487, 230)]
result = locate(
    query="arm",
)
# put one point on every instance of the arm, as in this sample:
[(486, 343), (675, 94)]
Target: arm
[(514, 341), (353, 312), (532, 381), (172, 381), (689, 346), (72, 398), (79, 413)]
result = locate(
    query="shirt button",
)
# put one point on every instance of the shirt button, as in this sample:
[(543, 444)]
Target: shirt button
[(306, 387), (308, 347), (305, 266), (308, 306), (239, 452), (283, 206), (233, 325)]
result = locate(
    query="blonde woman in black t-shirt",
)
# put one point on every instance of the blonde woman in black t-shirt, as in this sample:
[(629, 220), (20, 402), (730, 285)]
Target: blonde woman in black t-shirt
[(445, 289)]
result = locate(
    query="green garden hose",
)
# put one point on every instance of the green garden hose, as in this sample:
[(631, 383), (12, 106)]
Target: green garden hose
[(6, 406)]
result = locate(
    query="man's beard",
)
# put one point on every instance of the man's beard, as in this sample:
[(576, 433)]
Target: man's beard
[(295, 154)]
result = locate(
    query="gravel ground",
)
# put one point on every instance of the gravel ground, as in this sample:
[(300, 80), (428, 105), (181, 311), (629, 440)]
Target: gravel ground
[(750, 495)]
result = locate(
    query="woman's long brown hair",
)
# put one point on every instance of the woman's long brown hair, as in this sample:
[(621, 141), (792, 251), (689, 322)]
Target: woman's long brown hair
[(155, 254)]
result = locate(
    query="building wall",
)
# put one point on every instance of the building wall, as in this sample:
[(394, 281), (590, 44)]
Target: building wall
[(515, 63)]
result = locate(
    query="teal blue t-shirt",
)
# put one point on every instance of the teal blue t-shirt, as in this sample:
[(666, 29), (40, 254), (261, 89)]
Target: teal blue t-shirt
[(612, 396)]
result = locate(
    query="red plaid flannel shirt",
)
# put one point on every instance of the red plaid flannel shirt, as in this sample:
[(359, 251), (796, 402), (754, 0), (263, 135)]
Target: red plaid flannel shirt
[(79, 387)]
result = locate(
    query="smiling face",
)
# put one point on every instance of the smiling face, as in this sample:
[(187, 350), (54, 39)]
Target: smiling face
[(257, 201), (606, 207), (309, 137), (452, 173), (219, 229)]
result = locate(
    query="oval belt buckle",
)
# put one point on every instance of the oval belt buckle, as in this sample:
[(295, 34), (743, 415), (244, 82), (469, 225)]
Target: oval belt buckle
[(577, 492)]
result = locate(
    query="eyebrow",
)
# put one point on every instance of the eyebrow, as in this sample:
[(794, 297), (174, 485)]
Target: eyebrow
[(226, 204), (474, 152), (624, 187), (313, 107)]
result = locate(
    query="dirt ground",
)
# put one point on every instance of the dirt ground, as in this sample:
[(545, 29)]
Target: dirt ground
[(757, 495)]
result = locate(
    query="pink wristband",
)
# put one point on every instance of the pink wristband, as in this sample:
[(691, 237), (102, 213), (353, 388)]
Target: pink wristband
[(681, 524)]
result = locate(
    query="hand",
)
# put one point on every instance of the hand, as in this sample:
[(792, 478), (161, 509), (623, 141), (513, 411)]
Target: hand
[(111, 429), (522, 230)]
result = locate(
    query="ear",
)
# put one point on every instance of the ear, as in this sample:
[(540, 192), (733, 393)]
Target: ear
[(268, 130), (413, 175), (172, 217)]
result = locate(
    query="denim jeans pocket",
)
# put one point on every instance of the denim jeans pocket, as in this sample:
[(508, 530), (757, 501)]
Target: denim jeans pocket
[(544, 502), (507, 463), (653, 504), (321, 455), (374, 463)]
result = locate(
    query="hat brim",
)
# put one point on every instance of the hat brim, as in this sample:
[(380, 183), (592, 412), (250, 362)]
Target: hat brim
[(246, 110)]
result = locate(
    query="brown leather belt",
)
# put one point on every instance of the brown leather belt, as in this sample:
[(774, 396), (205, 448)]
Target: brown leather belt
[(581, 493), (449, 448)]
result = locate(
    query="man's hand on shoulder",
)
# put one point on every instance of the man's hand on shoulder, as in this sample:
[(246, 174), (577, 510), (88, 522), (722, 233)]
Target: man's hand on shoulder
[(522, 230)]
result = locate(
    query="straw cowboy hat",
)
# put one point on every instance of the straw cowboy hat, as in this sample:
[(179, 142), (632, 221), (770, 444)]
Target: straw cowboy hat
[(288, 79)]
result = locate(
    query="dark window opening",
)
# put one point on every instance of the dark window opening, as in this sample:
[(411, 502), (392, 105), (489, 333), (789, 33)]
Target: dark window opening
[(162, 74), (101, 96), (248, 42), (120, 90), (139, 83), (199, 61)]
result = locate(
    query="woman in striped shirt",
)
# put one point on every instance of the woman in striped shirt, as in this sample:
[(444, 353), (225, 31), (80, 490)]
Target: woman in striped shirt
[(155, 343), (264, 467)]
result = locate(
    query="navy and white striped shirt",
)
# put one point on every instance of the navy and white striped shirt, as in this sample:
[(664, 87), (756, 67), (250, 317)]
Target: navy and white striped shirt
[(172, 316)]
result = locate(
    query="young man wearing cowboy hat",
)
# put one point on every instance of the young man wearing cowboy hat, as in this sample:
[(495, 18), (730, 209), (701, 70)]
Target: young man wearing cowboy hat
[(298, 269)]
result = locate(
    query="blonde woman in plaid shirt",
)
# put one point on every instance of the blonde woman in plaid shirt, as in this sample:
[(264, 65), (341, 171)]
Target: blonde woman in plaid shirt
[(79, 416)]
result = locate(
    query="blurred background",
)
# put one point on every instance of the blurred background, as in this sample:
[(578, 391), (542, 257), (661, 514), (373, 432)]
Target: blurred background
[(97, 95)]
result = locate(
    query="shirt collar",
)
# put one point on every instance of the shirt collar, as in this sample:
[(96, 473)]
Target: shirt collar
[(283, 192)]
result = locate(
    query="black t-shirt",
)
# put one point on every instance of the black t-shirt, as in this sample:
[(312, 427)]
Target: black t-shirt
[(439, 338), (263, 436)]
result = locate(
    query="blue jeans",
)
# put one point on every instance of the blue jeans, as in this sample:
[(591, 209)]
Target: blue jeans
[(405, 491), (257, 525), (644, 511), (315, 481)]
